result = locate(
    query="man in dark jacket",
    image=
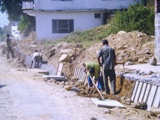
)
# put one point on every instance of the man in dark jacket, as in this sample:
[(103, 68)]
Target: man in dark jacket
[(9, 47), (108, 57)]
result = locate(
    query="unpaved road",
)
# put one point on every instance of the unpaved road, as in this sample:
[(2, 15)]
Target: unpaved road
[(24, 97)]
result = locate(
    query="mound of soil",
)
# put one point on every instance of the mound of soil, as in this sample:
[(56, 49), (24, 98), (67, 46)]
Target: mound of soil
[(136, 47)]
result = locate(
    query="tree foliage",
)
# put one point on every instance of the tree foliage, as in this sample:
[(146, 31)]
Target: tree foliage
[(13, 8), (137, 17), (15, 13), (27, 24)]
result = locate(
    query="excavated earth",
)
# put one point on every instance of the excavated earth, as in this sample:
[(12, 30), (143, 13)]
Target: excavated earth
[(134, 47)]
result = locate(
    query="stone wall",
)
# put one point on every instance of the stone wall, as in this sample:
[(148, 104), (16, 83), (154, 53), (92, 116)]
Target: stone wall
[(157, 29)]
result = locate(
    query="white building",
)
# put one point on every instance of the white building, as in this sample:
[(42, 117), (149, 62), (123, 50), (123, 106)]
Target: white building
[(14, 30), (57, 18)]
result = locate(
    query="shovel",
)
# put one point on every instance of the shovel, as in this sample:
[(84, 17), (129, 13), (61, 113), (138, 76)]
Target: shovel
[(92, 79)]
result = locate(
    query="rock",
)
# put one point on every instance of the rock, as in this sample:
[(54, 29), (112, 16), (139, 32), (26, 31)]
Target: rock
[(74, 79), (139, 105), (107, 111), (93, 118), (155, 112), (68, 88), (141, 60), (147, 51), (65, 58), (121, 32), (67, 51), (75, 89), (51, 52), (153, 61), (125, 100), (129, 63), (149, 73)]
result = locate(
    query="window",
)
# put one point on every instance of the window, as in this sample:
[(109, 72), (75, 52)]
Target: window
[(62, 26), (97, 15)]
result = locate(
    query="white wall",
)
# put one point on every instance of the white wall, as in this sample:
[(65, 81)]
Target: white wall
[(15, 31), (81, 4), (82, 21)]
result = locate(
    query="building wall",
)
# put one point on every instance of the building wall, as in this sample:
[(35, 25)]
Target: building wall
[(81, 4), (157, 30), (15, 31), (82, 21)]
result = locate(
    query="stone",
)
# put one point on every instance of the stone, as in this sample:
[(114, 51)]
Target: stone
[(153, 61), (125, 100), (74, 79), (107, 111), (129, 63), (65, 58), (51, 52), (70, 52), (68, 88), (141, 60), (139, 105), (155, 112)]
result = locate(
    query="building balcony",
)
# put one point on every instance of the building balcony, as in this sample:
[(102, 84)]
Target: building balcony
[(27, 5)]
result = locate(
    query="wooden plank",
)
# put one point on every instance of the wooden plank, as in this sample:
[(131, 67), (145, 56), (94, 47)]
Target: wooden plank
[(59, 70)]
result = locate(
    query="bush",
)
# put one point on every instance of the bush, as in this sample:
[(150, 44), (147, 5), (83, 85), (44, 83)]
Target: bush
[(137, 17)]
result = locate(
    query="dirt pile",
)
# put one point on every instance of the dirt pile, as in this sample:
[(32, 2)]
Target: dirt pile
[(124, 89), (135, 47)]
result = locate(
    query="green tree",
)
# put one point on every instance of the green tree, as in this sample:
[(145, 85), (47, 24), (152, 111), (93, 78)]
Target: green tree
[(27, 24), (137, 17), (15, 13), (13, 8), (1, 31)]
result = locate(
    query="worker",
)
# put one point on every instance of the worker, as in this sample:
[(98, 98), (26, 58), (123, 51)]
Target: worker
[(108, 57), (93, 69), (9, 46), (40, 59), (35, 59)]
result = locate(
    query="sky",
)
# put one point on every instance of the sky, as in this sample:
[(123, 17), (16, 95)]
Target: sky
[(3, 19)]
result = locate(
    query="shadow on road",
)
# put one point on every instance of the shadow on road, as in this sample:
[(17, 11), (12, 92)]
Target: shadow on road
[(1, 86)]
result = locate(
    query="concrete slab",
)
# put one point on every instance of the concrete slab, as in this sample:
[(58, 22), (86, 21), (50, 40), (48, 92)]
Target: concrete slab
[(145, 67), (142, 92), (55, 77), (147, 93), (135, 90), (36, 70), (107, 103), (157, 99), (151, 96)]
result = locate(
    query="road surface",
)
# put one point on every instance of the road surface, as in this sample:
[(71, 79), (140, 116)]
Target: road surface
[(24, 96)]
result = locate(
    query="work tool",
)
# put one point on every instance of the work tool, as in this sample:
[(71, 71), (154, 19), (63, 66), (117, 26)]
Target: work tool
[(92, 79)]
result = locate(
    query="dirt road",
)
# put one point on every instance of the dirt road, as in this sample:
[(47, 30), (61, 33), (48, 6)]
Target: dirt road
[(24, 97)]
